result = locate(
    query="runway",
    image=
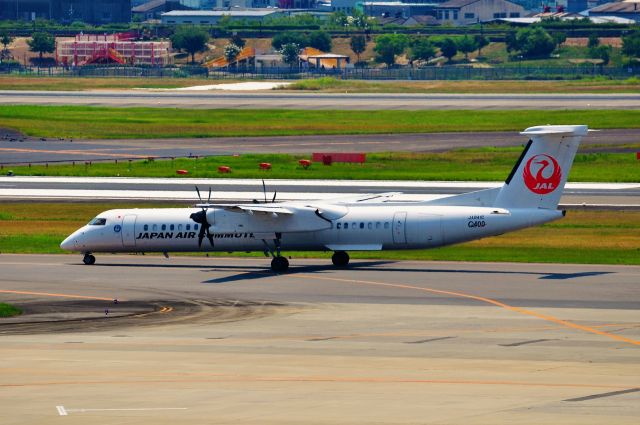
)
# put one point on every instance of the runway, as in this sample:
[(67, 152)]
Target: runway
[(297, 100), (223, 339), (19, 149), (19, 188)]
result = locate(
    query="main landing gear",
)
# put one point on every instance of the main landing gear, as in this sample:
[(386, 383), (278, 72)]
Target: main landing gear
[(89, 259), (340, 259), (279, 264)]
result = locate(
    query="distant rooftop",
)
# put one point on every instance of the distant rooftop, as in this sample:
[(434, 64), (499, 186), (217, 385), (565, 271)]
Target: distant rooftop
[(617, 7), (220, 13)]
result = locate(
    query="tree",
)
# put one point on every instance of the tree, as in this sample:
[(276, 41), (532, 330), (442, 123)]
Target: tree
[(319, 40), (190, 39), (42, 42), (594, 41), (358, 45), (388, 46), (601, 52), (231, 52), (289, 37), (559, 37), (422, 49), (511, 42), (534, 42), (5, 39), (238, 41), (481, 42), (631, 44), (466, 45), (290, 52), (448, 48)]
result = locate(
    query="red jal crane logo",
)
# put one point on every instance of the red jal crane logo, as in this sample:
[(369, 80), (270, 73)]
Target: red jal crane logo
[(542, 174)]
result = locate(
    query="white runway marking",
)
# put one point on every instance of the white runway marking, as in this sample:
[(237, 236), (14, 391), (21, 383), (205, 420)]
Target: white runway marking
[(65, 412)]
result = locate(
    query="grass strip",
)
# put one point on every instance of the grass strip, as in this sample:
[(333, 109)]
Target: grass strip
[(595, 85), (12, 82), (490, 164), (145, 123), (583, 237), (8, 310)]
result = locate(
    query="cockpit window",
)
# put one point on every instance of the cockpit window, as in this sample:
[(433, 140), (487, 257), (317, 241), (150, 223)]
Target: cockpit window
[(98, 222)]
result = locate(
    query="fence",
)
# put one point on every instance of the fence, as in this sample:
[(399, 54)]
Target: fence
[(430, 73)]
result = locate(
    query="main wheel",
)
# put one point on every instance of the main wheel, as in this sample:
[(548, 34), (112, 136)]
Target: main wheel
[(340, 258), (279, 264), (89, 259)]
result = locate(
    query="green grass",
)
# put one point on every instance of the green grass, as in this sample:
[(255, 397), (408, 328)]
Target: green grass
[(490, 164), (598, 84), (144, 123), (8, 310), (586, 237)]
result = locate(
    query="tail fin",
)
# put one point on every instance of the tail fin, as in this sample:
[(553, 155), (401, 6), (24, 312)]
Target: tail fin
[(537, 180)]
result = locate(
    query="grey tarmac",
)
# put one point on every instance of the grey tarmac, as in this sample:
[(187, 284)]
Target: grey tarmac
[(16, 148), (297, 100), (222, 340)]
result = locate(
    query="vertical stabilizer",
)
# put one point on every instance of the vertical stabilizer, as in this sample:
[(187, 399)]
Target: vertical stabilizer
[(537, 180)]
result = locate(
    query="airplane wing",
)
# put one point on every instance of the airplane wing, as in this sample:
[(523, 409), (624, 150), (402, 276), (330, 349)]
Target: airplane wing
[(367, 197), (250, 208)]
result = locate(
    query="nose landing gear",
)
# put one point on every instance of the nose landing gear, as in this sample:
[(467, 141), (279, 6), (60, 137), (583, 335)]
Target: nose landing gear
[(88, 259)]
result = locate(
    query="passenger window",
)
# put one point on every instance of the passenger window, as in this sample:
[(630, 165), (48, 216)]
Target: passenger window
[(188, 227), (98, 222), (386, 224), (369, 225), (179, 227), (155, 227), (354, 225), (346, 225), (195, 227), (362, 225), (338, 226), (171, 227), (164, 227), (377, 224), (146, 227)]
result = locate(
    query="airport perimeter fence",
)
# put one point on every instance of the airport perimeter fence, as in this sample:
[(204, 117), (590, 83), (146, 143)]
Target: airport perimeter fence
[(402, 73)]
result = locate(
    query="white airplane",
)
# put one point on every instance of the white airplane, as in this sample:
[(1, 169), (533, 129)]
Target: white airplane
[(529, 197)]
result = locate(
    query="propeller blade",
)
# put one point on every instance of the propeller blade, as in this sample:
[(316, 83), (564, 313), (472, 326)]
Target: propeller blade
[(201, 235), (198, 191), (209, 236), (209, 197), (264, 191), (274, 197)]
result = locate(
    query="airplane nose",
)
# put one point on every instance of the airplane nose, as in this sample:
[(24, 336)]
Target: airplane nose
[(68, 243)]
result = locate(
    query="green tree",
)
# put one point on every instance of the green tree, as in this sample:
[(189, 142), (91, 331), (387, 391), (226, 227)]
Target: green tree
[(631, 44), (422, 49), (388, 46), (594, 41), (481, 42), (231, 52), (601, 52), (320, 40), (290, 54), (338, 19), (511, 41), (534, 42), (559, 37), (5, 39), (358, 45), (449, 48), (238, 41), (466, 45), (191, 39), (289, 37), (41, 42)]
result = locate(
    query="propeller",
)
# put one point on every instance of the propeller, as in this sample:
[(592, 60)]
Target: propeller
[(201, 218), (264, 191)]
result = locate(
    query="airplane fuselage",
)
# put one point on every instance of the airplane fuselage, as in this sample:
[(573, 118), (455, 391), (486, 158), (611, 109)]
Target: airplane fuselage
[(382, 227)]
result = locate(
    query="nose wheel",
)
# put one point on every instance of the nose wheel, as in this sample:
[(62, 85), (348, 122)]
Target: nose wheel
[(279, 264), (340, 259), (89, 259)]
